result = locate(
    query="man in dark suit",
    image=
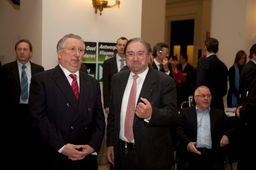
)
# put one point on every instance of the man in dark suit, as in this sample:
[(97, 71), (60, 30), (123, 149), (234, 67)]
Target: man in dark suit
[(187, 87), (147, 142), (67, 113), (110, 67), (213, 73), (247, 76), (15, 108), (246, 114), (202, 133), (160, 58)]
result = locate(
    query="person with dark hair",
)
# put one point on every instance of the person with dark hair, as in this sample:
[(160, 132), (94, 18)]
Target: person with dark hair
[(15, 84), (110, 67), (248, 74), (66, 112), (187, 87), (234, 78), (213, 73), (142, 108), (160, 58), (178, 77)]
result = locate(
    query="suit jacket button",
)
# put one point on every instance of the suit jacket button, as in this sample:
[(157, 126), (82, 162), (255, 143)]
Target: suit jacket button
[(71, 127), (68, 104), (89, 109), (85, 128)]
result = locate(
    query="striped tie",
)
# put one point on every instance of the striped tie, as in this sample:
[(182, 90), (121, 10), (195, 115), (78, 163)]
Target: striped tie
[(24, 84), (74, 86)]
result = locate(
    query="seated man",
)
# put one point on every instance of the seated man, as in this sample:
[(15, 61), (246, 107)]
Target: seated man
[(202, 133)]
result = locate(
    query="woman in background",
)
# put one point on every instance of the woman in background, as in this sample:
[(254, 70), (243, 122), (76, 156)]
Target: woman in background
[(234, 76)]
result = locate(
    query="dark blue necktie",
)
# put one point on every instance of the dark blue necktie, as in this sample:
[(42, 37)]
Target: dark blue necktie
[(24, 84)]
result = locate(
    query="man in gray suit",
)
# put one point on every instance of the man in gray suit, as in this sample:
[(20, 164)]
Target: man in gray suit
[(67, 113), (15, 108), (148, 145)]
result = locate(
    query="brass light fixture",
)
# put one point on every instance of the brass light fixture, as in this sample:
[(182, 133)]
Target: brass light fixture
[(101, 4)]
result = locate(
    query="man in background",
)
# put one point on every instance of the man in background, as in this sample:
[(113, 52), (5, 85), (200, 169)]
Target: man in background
[(247, 76), (110, 67), (15, 82), (160, 58), (213, 73), (187, 87), (202, 133)]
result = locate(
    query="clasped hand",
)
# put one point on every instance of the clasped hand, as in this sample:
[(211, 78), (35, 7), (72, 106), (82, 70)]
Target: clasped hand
[(77, 152)]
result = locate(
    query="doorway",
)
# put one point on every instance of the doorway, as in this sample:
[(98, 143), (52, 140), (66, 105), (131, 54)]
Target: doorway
[(182, 37)]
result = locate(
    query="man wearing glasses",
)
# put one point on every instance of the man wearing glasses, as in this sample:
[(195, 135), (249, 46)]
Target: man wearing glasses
[(160, 61), (143, 104), (202, 133), (67, 112)]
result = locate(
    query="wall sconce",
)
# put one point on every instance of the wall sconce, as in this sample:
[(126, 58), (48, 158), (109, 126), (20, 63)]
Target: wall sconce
[(101, 4)]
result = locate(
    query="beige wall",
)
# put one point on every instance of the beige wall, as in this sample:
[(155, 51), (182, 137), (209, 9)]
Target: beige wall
[(234, 29), (153, 21), (199, 10), (44, 22), (10, 33)]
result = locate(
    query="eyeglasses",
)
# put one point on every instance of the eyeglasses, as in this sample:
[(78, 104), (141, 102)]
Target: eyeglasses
[(204, 95), (163, 52), (140, 54), (74, 50)]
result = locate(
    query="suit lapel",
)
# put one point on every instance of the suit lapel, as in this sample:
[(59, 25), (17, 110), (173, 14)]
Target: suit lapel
[(212, 120), (148, 85), (114, 65), (15, 72), (62, 82), (33, 69), (193, 120), (119, 88), (84, 90)]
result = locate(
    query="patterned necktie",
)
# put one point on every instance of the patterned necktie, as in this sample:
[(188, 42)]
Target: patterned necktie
[(24, 84), (128, 132), (122, 63), (74, 86)]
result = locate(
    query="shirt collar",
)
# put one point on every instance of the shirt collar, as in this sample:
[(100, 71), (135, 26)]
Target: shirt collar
[(210, 55), (141, 75), (20, 64), (67, 73)]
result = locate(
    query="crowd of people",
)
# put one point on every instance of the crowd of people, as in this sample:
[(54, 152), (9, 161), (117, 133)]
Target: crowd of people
[(56, 117)]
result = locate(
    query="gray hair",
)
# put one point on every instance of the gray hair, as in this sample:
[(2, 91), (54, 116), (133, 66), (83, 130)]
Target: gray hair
[(62, 41), (200, 87)]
